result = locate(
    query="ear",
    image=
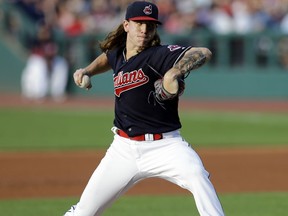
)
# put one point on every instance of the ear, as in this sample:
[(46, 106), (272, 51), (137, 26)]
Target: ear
[(126, 25)]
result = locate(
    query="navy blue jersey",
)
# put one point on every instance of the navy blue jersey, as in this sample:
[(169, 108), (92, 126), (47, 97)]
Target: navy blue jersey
[(137, 111)]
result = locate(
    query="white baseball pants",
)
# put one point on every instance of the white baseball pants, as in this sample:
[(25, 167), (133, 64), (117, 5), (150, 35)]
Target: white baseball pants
[(127, 162)]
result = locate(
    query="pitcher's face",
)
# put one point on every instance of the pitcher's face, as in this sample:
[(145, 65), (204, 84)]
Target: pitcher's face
[(139, 33)]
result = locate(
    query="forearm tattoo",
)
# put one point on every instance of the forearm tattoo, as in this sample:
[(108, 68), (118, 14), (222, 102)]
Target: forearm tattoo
[(192, 61)]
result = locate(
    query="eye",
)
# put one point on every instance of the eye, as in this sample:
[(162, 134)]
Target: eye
[(152, 25)]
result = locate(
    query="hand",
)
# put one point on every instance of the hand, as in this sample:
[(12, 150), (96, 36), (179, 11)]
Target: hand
[(78, 76)]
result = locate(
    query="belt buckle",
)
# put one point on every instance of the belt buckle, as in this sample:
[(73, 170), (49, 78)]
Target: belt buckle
[(152, 137), (149, 137)]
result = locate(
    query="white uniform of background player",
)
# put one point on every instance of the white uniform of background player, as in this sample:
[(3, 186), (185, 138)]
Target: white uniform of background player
[(45, 74)]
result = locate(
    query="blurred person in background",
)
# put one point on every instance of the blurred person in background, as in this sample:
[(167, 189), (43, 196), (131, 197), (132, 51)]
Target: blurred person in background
[(282, 50), (219, 16), (46, 72)]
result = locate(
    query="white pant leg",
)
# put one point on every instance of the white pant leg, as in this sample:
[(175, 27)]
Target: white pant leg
[(59, 77), (116, 173), (174, 160), (34, 80)]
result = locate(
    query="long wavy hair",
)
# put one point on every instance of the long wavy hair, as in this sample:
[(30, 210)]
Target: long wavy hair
[(117, 38)]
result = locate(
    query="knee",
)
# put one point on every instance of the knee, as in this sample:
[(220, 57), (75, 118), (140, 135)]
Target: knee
[(196, 178)]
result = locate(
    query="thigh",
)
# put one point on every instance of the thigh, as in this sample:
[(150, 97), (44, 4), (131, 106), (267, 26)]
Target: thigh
[(178, 163), (174, 160), (113, 176)]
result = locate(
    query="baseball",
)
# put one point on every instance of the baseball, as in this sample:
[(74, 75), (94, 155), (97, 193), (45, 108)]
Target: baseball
[(85, 81)]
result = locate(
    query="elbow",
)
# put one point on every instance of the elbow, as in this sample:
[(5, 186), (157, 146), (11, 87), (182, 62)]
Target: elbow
[(203, 52), (207, 53)]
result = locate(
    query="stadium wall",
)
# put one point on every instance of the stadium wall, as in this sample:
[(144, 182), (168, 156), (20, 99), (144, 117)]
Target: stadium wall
[(243, 66)]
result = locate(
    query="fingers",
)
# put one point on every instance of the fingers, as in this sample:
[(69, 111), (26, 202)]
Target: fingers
[(89, 87), (78, 75)]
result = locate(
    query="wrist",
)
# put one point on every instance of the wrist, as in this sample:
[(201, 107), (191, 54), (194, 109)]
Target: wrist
[(87, 72)]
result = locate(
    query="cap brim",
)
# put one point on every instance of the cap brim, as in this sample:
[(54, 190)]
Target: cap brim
[(145, 18)]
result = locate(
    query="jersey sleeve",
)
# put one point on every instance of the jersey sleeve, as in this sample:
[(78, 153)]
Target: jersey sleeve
[(166, 56)]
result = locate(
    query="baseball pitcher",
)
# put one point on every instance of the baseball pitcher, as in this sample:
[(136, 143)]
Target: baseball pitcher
[(148, 80)]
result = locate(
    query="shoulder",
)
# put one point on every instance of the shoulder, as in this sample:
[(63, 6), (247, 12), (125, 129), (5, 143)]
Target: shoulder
[(170, 51), (162, 49), (115, 52)]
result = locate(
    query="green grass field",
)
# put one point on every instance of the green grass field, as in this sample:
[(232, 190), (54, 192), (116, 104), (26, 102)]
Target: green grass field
[(32, 129), (258, 204), (43, 129)]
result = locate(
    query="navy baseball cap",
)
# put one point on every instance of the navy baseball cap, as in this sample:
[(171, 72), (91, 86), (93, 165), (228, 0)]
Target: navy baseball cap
[(142, 11)]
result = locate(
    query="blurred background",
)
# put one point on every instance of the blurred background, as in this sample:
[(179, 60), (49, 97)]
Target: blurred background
[(42, 42), (248, 39)]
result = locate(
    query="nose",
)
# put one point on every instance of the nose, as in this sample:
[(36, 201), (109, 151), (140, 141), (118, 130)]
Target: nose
[(144, 28)]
